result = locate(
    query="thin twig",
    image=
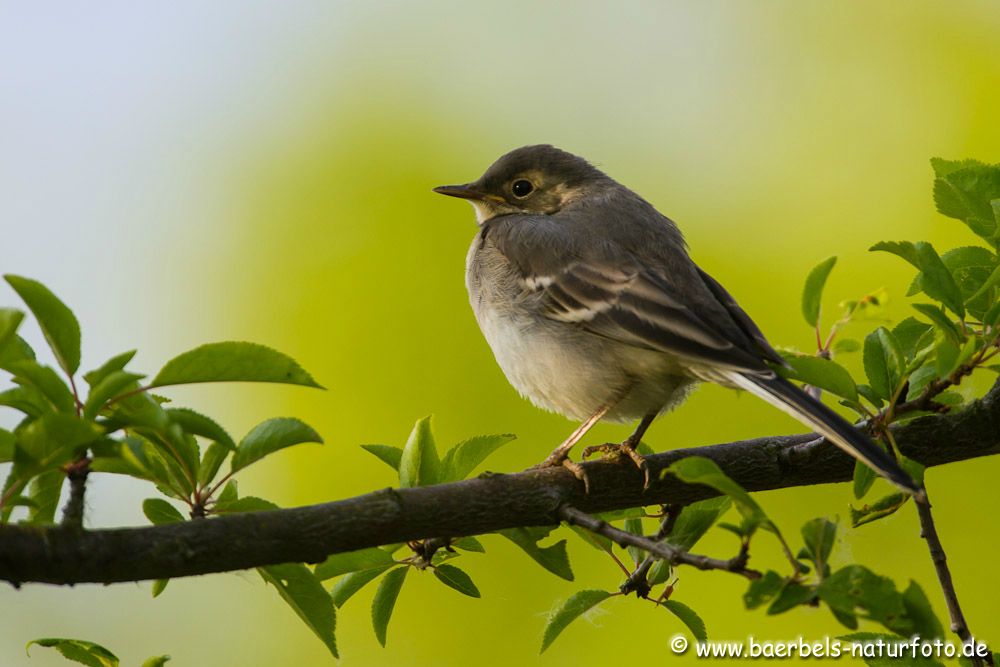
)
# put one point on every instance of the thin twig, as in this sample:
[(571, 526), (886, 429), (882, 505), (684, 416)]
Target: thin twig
[(76, 473), (671, 554), (77, 403), (925, 401), (929, 532), (637, 579)]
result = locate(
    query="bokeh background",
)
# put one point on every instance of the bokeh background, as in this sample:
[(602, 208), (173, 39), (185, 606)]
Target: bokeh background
[(188, 172)]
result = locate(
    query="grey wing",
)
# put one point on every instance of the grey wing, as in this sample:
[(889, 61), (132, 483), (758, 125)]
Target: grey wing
[(635, 285), (749, 327), (638, 307)]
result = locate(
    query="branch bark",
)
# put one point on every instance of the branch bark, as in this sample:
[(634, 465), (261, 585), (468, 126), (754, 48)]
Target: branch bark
[(671, 554), (489, 503)]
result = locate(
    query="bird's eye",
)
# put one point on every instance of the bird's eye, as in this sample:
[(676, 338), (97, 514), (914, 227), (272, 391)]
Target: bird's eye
[(522, 188)]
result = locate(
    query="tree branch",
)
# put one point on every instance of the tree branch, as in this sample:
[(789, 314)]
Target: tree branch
[(637, 580), (928, 531), (76, 473), (489, 503), (669, 553)]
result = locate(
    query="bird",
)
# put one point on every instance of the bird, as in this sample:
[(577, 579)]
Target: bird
[(594, 309)]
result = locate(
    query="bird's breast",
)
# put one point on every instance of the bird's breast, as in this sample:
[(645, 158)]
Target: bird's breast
[(559, 366)]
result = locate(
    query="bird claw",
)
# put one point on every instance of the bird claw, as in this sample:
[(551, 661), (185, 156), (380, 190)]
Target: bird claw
[(618, 449), (559, 459)]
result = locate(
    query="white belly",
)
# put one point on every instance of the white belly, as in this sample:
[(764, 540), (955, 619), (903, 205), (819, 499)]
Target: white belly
[(562, 368)]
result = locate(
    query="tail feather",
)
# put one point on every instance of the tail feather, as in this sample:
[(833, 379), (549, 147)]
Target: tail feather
[(787, 397)]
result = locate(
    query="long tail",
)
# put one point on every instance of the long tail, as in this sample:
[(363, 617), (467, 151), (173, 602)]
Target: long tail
[(785, 396)]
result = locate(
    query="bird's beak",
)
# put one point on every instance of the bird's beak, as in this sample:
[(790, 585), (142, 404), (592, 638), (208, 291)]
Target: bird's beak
[(467, 191)]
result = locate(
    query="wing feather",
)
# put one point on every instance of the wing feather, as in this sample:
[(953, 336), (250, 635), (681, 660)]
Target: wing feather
[(636, 307)]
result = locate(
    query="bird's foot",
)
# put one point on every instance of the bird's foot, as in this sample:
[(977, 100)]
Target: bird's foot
[(619, 449), (561, 459)]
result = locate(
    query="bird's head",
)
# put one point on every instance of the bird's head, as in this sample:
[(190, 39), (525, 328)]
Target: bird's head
[(532, 180)]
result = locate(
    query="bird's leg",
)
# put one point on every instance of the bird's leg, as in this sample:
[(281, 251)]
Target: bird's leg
[(628, 447), (559, 454)]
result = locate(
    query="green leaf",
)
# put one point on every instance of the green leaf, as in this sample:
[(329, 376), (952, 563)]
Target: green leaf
[(792, 594), (156, 661), (952, 399), (229, 493), (883, 362), (244, 504), (856, 587), (823, 373), (940, 320), (10, 320), (812, 295), (351, 583), (53, 439), (159, 586), (78, 650), (270, 436), (695, 520), (388, 454), (58, 324), (659, 573), (353, 561), (160, 512), (198, 424), (7, 442), (455, 578), (992, 315), (419, 464), (908, 335), (306, 596), (464, 457), (848, 620), (819, 535), (763, 590), (179, 451), (947, 356), (29, 373), (688, 617), (869, 394), (701, 470), (15, 349), (599, 542), (156, 463), (232, 362), (979, 301), (966, 192), (385, 601), (44, 495), (936, 281), (115, 363), (553, 558), (469, 543), (634, 526), (113, 384), (211, 461), (920, 379), (944, 167), (577, 605), (975, 271), (864, 477), (878, 510), (918, 610)]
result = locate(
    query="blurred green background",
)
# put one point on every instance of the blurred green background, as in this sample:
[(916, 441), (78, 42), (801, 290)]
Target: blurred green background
[(192, 172)]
